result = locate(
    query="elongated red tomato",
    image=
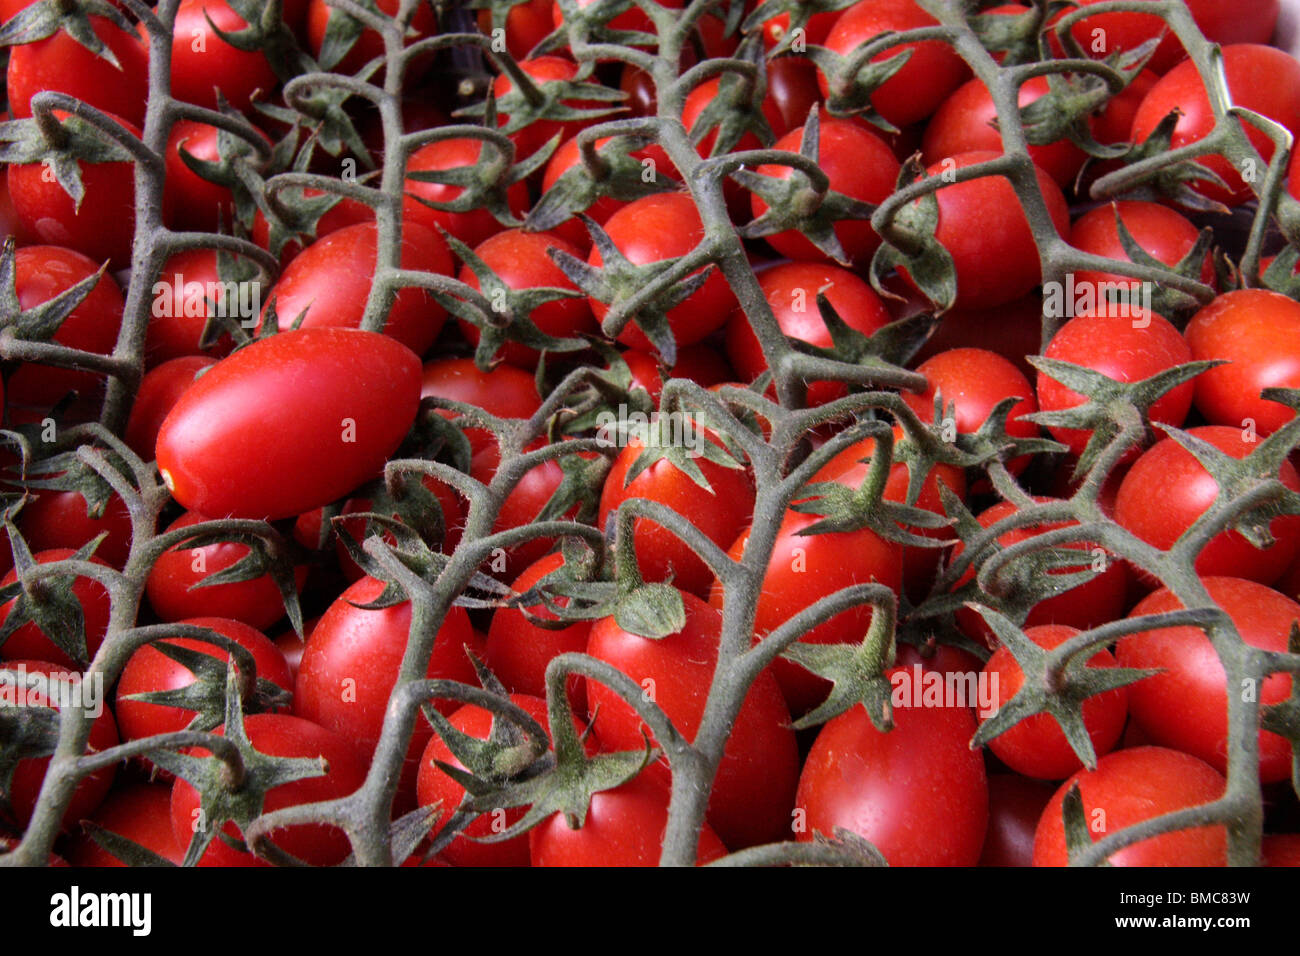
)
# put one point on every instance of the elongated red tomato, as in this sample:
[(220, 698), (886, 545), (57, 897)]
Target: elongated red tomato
[(290, 423)]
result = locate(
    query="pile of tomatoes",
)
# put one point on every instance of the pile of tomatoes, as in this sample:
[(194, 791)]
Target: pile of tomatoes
[(312, 348)]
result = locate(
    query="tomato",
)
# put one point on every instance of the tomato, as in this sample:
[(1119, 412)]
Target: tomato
[(470, 227), (101, 227), (753, 792), (804, 568), (32, 683), (791, 92), (720, 511), (1256, 332), (929, 76), (280, 735), (1260, 78), (1126, 347), (160, 389), (1167, 489), (859, 164), (543, 71), (29, 640), (506, 392), (203, 63), (665, 226), (197, 203), (984, 229), (345, 212), (1185, 705), (634, 18), (1161, 232), (369, 44), (974, 381), (1130, 786), (918, 793), (1096, 601), (174, 595), (330, 281), (435, 788), (814, 31), (1013, 331), (1015, 805), (41, 273), (187, 294), (59, 519), (791, 290), (624, 827), (254, 437), (351, 663), (700, 363), (521, 260), (526, 25), (965, 122), (61, 64), (1280, 849), (149, 671), (141, 813), (1036, 747), (518, 650)]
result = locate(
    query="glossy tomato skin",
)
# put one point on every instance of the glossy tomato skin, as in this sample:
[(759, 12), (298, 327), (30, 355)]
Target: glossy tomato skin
[(1015, 806), (59, 519), (664, 226), (1258, 334), (345, 212), (1261, 78), (918, 793), (929, 76), (28, 641), (624, 827), (804, 568), (985, 231), (330, 280), (518, 650), (1167, 489), (1036, 747), (791, 290), (1101, 599), (196, 203), (1125, 347), (141, 812), (470, 227), (280, 735), (1163, 233), (753, 792), (41, 273), (506, 392), (291, 422), (29, 773), (149, 670), (351, 663), (859, 164), (721, 511), (61, 64), (1185, 706), (203, 63), (522, 260), (1130, 786), (174, 597)]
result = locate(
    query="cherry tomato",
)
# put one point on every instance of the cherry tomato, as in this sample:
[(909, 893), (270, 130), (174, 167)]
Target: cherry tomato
[(470, 227), (203, 63), (141, 813), (160, 389), (30, 641)]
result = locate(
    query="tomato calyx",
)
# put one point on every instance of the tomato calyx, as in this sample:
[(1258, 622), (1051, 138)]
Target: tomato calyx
[(26, 733), (39, 21), (911, 245), (1013, 38), (1283, 718), (123, 848), (852, 79), (735, 111), (60, 144), (46, 600), (1175, 180), (484, 184)]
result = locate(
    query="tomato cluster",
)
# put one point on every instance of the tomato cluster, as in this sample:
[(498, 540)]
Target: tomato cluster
[(849, 443)]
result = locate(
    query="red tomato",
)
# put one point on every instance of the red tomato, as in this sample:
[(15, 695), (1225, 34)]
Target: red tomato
[(1036, 747), (61, 64), (665, 226), (189, 291), (791, 290), (160, 389), (543, 71), (1015, 805), (369, 44), (634, 18), (918, 793), (1162, 233), (521, 261), (172, 591), (470, 227), (753, 792), (624, 827), (506, 392), (859, 164), (984, 229), (351, 663), (1130, 786), (59, 519), (700, 363), (33, 683), (1125, 348), (203, 63), (140, 812), (345, 212), (926, 79), (1185, 705), (1013, 331), (526, 25), (1260, 78), (280, 735), (1258, 333), (29, 641), (150, 670), (1167, 489), (965, 122), (1101, 599), (254, 437), (197, 203)]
